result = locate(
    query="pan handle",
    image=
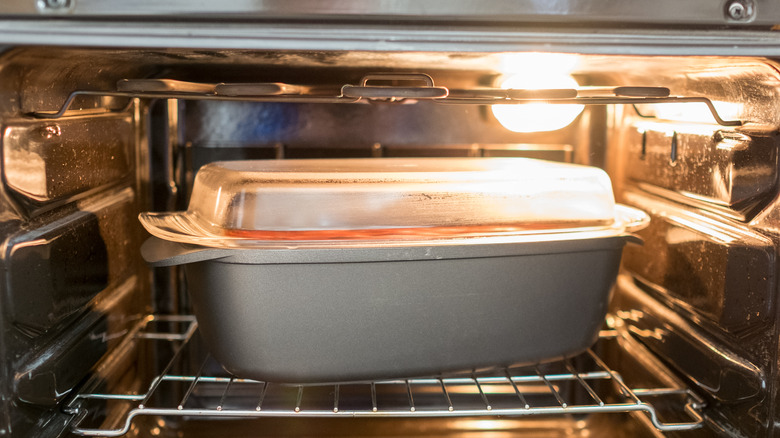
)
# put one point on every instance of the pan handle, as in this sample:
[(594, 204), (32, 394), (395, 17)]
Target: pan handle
[(158, 253), (633, 219)]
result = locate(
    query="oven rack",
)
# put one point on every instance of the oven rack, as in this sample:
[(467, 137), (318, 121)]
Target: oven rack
[(578, 385), (406, 87)]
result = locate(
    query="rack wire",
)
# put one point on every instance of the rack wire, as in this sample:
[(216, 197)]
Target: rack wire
[(578, 385), (404, 87)]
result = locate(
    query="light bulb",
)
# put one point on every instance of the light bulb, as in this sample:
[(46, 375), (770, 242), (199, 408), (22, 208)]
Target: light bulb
[(535, 117)]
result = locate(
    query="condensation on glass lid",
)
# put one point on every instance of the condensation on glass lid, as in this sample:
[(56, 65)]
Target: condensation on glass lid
[(398, 198)]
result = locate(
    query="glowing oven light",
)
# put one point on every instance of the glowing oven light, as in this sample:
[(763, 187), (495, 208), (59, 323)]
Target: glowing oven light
[(535, 117)]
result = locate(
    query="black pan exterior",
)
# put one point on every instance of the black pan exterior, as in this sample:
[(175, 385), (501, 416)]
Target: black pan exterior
[(336, 315)]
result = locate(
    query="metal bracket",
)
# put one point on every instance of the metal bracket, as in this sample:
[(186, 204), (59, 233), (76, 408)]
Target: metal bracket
[(414, 86)]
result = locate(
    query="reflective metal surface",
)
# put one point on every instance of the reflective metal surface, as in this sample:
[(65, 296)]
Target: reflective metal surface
[(715, 366), (703, 296), (728, 169), (381, 37), (611, 425), (736, 386), (47, 162), (70, 274), (633, 11), (219, 130), (721, 271), (53, 271)]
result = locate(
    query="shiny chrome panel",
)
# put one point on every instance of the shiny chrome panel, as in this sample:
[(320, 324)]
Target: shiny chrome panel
[(700, 12), (496, 37)]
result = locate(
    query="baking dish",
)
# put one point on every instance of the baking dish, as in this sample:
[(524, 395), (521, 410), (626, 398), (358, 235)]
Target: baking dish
[(337, 306)]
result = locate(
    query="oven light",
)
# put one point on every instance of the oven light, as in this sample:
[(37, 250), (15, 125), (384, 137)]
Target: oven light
[(534, 117), (512, 63)]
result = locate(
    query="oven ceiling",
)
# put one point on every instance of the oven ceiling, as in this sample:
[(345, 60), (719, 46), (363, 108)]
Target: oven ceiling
[(637, 27)]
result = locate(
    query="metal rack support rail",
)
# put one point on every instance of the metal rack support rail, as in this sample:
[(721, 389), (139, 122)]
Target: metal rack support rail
[(403, 94), (606, 100), (629, 400)]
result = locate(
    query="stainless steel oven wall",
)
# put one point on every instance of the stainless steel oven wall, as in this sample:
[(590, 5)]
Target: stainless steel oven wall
[(72, 281), (699, 27), (230, 130), (667, 12), (703, 290)]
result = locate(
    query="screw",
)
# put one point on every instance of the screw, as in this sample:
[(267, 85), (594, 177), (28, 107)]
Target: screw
[(54, 5), (740, 10), (737, 11)]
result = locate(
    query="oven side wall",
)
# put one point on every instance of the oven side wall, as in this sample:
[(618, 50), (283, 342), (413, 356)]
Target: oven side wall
[(72, 280)]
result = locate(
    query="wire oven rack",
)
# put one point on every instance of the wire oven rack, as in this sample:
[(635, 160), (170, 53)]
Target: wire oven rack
[(579, 385), (413, 86)]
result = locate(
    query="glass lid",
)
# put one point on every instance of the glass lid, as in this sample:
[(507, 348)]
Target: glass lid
[(257, 203)]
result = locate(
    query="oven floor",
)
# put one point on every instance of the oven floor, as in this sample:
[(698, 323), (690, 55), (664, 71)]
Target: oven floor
[(616, 426)]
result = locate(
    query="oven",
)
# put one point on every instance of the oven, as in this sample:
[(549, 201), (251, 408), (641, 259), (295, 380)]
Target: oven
[(110, 109)]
